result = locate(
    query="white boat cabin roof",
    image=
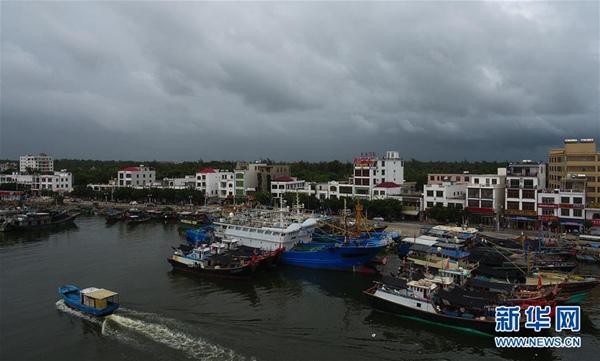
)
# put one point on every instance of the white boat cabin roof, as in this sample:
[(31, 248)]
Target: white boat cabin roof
[(98, 293), (423, 284)]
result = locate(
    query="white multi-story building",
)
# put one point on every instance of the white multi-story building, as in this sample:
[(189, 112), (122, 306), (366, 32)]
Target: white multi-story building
[(141, 176), (284, 184), (485, 196), (561, 208), (370, 170), (523, 182), (226, 187), (42, 163), (57, 181), (207, 180), (334, 189), (386, 190), (188, 181), (446, 194), (458, 178)]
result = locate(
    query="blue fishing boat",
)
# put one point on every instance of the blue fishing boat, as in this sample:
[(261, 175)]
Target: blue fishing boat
[(93, 301), (351, 251), (345, 256), (199, 235)]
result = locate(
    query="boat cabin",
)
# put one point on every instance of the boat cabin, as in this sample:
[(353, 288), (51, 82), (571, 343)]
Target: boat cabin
[(98, 298), (421, 289)]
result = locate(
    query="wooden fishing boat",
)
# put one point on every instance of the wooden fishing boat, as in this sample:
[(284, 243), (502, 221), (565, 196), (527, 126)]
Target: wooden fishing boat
[(92, 301)]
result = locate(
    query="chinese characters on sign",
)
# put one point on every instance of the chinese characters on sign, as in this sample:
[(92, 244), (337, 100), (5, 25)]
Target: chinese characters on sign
[(537, 318)]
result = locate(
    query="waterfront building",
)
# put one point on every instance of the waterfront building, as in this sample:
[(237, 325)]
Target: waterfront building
[(370, 170), (523, 182), (561, 209), (207, 180), (386, 190), (186, 182), (578, 156), (257, 176), (42, 163), (334, 189), (285, 184), (485, 196), (450, 194), (60, 181), (456, 178), (226, 186), (242, 180), (140, 176)]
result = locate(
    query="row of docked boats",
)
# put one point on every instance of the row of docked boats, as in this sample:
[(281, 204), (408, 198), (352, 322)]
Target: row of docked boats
[(135, 216), (35, 220), (286, 235), (454, 277)]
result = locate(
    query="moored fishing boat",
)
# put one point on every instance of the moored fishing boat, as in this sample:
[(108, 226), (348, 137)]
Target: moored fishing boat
[(92, 301), (418, 300), (135, 216), (345, 256), (219, 260), (37, 220)]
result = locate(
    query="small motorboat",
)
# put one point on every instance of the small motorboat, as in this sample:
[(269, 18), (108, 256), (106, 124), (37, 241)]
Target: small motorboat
[(93, 301)]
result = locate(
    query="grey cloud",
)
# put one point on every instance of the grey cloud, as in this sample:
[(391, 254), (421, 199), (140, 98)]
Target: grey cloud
[(471, 80)]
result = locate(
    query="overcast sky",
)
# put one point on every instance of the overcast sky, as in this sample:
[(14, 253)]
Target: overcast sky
[(186, 81)]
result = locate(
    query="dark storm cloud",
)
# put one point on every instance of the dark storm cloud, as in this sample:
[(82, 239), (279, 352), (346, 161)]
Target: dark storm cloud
[(440, 80)]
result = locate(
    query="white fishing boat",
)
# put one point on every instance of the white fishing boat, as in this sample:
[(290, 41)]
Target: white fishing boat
[(268, 229)]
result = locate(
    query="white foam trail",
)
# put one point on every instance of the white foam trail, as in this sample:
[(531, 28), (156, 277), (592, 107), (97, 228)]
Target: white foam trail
[(193, 347), (61, 306)]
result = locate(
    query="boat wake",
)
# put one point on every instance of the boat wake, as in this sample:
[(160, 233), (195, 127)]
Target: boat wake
[(138, 328), (61, 306)]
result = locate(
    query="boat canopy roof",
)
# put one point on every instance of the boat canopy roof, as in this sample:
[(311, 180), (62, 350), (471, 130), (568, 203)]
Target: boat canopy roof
[(423, 240), (98, 293)]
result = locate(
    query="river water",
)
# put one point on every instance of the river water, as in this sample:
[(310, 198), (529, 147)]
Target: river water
[(286, 314)]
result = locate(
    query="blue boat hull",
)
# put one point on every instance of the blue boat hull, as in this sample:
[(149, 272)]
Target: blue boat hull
[(331, 258)]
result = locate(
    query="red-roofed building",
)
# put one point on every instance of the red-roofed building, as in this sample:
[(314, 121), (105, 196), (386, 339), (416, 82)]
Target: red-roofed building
[(371, 170), (283, 178), (215, 183), (386, 189), (133, 176), (206, 170)]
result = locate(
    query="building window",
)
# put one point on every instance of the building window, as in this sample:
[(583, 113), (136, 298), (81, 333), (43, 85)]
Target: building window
[(487, 204), (429, 193), (564, 199), (439, 193), (564, 212), (547, 200), (429, 204), (528, 194), (512, 205), (476, 180), (548, 211), (528, 183), (512, 193), (528, 206), (431, 177), (577, 213), (466, 179), (494, 181), (577, 200)]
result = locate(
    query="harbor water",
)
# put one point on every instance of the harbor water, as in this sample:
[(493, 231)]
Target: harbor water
[(285, 314)]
